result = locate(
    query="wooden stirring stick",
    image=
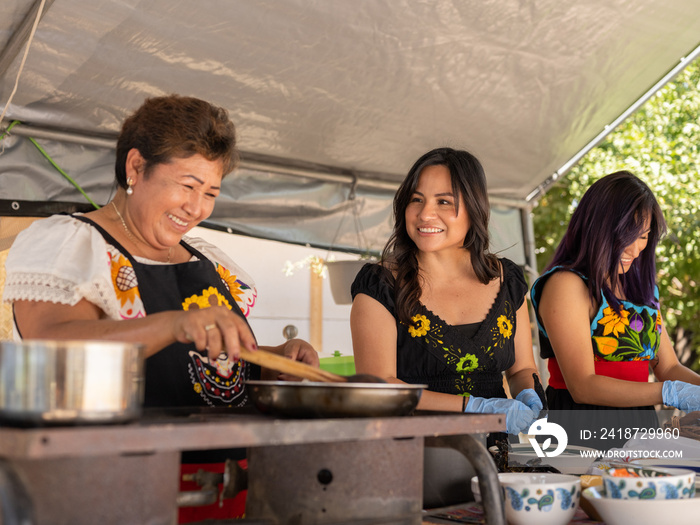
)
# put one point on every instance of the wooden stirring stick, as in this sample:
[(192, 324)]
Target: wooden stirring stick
[(288, 366)]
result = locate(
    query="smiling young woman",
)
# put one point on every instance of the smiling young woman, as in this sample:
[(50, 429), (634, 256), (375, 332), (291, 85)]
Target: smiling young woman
[(436, 219), (440, 309)]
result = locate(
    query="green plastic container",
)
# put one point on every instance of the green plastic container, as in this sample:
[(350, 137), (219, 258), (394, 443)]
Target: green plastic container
[(343, 365)]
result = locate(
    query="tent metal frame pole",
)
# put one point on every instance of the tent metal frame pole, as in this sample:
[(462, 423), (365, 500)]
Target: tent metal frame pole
[(531, 269), (349, 179), (542, 188), (38, 132)]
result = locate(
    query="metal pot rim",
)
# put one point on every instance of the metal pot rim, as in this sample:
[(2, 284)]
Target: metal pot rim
[(56, 344), (318, 384)]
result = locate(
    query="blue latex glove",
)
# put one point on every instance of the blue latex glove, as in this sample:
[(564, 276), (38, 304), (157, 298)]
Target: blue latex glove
[(683, 396), (519, 416), (531, 399)]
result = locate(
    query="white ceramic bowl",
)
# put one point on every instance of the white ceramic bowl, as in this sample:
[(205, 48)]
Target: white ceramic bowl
[(573, 460), (540, 498), (476, 490), (640, 482), (627, 511)]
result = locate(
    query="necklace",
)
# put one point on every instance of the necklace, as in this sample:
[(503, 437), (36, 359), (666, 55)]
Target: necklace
[(128, 231)]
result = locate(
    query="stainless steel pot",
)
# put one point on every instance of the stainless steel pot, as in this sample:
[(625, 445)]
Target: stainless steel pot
[(311, 399), (67, 382)]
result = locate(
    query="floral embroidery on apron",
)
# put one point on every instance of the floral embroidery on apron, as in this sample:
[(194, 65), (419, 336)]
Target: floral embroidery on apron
[(179, 375)]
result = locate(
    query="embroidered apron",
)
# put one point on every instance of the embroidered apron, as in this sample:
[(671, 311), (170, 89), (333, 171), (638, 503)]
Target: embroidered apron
[(179, 375)]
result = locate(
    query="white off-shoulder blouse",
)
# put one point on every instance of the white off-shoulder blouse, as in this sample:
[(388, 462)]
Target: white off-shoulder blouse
[(63, 260)]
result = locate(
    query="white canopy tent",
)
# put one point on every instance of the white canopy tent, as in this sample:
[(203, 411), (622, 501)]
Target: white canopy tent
[(333, 100)]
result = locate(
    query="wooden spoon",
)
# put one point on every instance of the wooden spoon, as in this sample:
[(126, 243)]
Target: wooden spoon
[(299, 369)]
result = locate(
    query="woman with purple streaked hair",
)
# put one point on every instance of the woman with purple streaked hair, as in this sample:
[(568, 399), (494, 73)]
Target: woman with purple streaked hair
[(598, 313)]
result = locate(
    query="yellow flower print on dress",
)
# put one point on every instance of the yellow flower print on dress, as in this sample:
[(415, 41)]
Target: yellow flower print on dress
[(209, 297), (431, 333), (194, 302), (231, 282), (614, 323), (606, 345), (124, 278), (505, 327), (243, 294), (214, 298), (468, 363), (125, 287), (421, 326), (658, 326)]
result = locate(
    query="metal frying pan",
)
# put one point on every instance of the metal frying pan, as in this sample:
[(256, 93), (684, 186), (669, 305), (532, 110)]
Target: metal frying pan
[(308, 399)]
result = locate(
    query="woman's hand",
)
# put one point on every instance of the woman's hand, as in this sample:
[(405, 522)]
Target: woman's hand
[(295, 349), (684, 396), (300, 350), (519, 416), (215, 330), (531, 399)]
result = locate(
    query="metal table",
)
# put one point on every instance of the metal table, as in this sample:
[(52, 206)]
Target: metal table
[(130, 473)]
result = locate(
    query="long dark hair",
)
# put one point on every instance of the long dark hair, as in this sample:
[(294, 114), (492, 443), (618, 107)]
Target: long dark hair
[(610, 217), (399, 255)]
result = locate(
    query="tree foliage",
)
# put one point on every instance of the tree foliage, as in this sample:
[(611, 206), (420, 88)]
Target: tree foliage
[(660, 143)]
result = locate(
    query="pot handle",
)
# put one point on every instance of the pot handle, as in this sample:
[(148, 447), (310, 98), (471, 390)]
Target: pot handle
[(207, 495), (16, 506), (234, 480)]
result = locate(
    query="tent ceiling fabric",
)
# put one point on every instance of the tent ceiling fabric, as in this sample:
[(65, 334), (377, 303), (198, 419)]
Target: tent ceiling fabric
[(362, 86), (367, 85)]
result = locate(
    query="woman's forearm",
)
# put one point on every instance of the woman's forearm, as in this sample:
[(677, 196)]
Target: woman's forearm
[(440, 402), (679, 373), (152, 331), (214, 330), (521, 380), (608, 391)]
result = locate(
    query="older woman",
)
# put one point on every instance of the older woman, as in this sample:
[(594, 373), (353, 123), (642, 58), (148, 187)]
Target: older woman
[(129, 272)]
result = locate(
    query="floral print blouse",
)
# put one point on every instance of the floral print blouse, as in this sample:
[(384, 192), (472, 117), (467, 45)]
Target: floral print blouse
[(463, 359), (633, 334)]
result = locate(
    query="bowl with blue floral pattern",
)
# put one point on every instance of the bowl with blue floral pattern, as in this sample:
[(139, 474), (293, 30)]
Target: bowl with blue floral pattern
[(628, 511), (540, 498), (647, 483)]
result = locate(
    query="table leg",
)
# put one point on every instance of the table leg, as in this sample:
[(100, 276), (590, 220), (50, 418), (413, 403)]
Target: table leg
[(483, 463)]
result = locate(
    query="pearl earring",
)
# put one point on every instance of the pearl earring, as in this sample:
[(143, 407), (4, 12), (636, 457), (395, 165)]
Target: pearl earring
[(129, 189)]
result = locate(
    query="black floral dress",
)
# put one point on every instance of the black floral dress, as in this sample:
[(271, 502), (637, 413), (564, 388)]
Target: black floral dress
[(463, 359)]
